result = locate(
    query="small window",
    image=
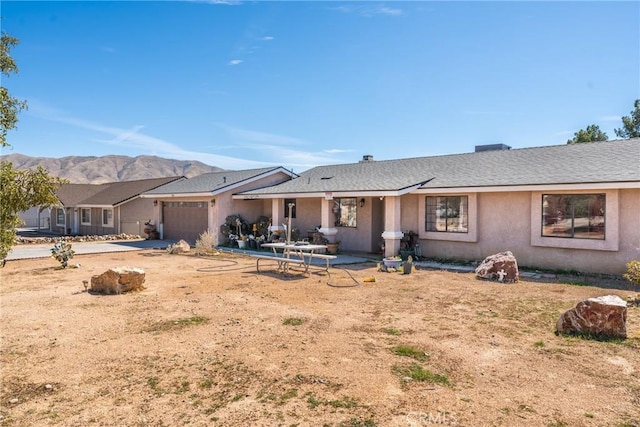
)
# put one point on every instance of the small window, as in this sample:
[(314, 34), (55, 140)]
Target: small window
[(447, 214), (60, 217), (287, 202), (107, 217), (85, 216), (345, 211), (576, 216)]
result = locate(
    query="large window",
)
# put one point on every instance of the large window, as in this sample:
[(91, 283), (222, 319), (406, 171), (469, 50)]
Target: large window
[(345, 210), (578, 216), (85, 216), (449, 214), (107, 217), (293, 208)]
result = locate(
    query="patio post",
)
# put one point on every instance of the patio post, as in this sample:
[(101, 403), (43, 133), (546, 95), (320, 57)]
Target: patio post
[(326, 224), (392, 234)]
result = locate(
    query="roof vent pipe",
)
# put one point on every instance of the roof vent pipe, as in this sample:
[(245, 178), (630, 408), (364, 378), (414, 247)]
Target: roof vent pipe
[(492, 147), (366, 158)]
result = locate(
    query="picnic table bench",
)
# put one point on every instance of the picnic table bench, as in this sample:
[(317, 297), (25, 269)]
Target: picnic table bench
[(283, 262)]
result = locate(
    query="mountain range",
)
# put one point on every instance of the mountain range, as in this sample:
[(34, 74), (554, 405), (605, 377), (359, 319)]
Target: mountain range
[(99, 170)]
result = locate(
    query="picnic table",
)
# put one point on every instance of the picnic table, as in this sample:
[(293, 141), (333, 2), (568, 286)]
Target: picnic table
[(301, 253)]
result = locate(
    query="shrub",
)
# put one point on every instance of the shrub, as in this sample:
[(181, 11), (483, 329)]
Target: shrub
[(633, 272), (62, 252), (205, 243)]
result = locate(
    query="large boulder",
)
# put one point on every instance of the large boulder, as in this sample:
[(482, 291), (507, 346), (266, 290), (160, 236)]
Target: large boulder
[(118, 280), (502, 267), (179, 248), (604, 316)]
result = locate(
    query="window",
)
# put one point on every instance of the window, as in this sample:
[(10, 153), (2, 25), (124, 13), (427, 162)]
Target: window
[(345, 211), (60, 217), (107, 217), (448, 214), (577, 216), (293, 208), (85, 216)]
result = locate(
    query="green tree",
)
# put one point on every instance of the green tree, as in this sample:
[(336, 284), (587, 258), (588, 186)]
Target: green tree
[(590, 134), (19, 189), (631, 123)]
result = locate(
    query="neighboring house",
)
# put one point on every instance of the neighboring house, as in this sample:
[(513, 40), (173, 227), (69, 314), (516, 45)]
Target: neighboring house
[(574, 206), (112, 208), (188, 207), (36, 217)]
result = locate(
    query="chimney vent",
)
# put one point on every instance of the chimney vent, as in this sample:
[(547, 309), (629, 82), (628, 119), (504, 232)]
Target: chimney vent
[(366, 158), (492, 147)]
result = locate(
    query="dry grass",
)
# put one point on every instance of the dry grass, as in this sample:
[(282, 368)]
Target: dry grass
[(210, 342)]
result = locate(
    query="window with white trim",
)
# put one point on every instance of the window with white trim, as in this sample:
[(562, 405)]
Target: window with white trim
[(107, 217), (85, 216), (574, 216), (447, 214), (60, 217)]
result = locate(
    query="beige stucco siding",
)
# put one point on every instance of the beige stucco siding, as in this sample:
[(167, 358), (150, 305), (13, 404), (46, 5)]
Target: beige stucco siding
[(506, 221)]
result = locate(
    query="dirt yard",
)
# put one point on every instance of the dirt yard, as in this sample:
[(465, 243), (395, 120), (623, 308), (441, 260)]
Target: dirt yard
[(210, 342)]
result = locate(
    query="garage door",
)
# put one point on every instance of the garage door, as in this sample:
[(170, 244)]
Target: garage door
[(184, 220)]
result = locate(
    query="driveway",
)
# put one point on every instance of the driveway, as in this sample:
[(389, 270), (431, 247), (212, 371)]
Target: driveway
[(44, 250)]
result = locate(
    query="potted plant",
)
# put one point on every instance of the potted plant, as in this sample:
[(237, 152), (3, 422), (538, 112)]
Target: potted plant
[(407, 266), (332, 248), (242, 241), (392, 262)]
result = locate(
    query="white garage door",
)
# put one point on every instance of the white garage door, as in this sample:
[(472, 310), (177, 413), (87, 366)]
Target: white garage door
[(184, 220)]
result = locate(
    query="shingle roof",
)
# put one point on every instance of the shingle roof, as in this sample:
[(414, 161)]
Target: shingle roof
[(595, 162), (72, 194), (114, 193), (213, 182)]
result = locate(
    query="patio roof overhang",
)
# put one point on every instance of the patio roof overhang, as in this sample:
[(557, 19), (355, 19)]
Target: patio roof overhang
[(327, 194)]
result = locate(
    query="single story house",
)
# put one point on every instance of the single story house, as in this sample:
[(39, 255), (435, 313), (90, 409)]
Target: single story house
[(186, 208), (101, 209), (573, 206)]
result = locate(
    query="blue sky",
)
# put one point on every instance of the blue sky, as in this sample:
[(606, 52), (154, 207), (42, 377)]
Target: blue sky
[(240, 84)]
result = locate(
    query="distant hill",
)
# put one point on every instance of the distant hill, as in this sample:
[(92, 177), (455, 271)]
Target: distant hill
[(98, 170)]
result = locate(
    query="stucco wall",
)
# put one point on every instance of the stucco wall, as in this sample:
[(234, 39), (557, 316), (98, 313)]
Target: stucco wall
[(504, 223), (134, 214)]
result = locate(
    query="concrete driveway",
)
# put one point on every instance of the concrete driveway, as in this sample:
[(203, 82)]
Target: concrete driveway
[(44, 250)]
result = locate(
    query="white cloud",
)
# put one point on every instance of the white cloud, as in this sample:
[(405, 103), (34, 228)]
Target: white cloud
[(217, 2), (338, 151), (235, 61), (280, 149), (269, 149), (268, 38), (133, 139), (369, 11)]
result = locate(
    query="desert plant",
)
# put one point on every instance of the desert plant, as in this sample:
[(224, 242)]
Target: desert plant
[(262, 226), (205, 243), (233, 225), (62, 252), (633, 272)]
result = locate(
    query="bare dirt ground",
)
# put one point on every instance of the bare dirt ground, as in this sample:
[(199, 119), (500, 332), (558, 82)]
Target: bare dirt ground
[(210, 342)]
